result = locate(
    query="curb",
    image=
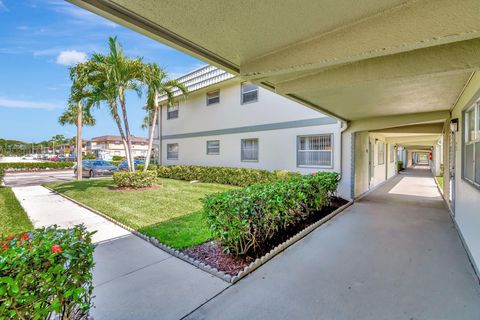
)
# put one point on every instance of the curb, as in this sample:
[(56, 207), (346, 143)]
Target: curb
[(205, 267)]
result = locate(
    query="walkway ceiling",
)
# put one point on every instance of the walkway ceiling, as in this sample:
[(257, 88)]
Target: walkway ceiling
[(353, 60)]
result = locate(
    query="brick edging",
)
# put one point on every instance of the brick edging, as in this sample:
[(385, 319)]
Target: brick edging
[(205, 267)]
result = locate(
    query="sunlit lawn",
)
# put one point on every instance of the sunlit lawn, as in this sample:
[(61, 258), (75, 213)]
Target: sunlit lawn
[(440, 182), (170, 213), (13, 219)]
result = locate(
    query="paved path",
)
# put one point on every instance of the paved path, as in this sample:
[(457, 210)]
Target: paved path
[(133, 279), (23, 179), (393, 255)]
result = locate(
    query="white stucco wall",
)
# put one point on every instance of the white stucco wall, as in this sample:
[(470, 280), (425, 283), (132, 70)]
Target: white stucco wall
[(467, 197), (277, 149), (381, 172), (196, 116)]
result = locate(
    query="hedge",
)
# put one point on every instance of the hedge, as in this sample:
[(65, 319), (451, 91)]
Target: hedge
[(46, 274), (241, 177), (137, 179), (2, 174), (151, 167), (246, 220), (35, 165)]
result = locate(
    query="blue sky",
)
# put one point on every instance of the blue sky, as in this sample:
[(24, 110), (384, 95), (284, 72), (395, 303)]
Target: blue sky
[(39, 39)]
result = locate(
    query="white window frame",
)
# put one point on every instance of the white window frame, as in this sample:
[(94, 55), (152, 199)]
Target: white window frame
[(173, 114), (243, 93), (474, 142), (209, 151), (242, 158), (213, 97), (300, 165), (382, 158), (169, 157)]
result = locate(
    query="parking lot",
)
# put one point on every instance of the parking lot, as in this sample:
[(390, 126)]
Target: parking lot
[(24, 179)]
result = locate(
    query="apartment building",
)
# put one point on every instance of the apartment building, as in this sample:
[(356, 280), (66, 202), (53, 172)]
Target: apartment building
[(227, 122), (105, 147)]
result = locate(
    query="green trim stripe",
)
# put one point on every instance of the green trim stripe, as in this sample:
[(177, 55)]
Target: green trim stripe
[(261, 127)]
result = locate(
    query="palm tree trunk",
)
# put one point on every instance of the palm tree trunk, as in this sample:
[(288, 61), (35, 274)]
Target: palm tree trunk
[(150, 136), (127, 129), (114, 109), (79, 140)]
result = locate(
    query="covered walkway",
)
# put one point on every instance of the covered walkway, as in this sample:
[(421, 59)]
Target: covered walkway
[(395, 254)]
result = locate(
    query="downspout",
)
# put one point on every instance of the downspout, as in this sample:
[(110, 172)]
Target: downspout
[(160, 135), (344, 127)]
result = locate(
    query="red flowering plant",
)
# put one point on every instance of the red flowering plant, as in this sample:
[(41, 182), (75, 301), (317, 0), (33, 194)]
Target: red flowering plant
[(46, 274)]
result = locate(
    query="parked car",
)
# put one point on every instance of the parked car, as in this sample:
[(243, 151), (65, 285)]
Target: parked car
[(96, 168), (124, 165), (28, 157)]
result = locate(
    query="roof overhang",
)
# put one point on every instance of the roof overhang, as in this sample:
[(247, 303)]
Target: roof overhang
[(352, 60)]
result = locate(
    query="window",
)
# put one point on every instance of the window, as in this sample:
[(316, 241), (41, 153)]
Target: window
[(213, 147), (471, 161), (315, 150), (117, 142), (172, 111), (249, 93), (249, 150), (213, 97), (172, 151), (392, 153), (381, 153)]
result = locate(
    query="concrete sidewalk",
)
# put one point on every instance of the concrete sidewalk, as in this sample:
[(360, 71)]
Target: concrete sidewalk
[(393, 255), (132, 278)]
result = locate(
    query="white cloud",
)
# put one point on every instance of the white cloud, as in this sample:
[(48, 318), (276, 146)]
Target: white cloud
[(3, 6), (70, 57), (79, 15), (27, 104)]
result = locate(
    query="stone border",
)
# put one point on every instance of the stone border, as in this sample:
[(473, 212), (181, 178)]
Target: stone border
[(205, 267)]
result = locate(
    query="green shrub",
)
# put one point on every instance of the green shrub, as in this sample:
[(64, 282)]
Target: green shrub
[(246, 220), (2, 174), (90, 156), (118, 158), (241, 177), (137, 179), (116, 163), (399, 165), (151, 167), (35, 165), (46, 273)]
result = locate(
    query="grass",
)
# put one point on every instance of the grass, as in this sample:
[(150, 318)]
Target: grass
[(439, 180), (13, 219), (171, 213)]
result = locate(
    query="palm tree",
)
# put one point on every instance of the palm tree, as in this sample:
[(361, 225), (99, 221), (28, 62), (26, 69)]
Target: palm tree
[(111, 76), (78, 110), (71, 116), (157, 84)]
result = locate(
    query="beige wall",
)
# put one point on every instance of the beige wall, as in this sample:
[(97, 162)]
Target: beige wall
[(467, 197)]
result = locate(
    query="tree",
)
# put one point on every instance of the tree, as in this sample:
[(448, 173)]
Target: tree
[(78, 110), (157, 84), (111, 76)]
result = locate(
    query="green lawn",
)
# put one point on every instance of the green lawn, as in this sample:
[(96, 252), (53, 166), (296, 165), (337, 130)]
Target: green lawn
[(439, 180), (171, 213), (13, 219)]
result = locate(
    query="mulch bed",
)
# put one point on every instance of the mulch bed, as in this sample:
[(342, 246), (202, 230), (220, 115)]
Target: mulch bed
[(212, 254)]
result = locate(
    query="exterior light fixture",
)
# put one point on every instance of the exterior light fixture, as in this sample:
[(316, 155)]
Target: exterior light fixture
[(454, 125)]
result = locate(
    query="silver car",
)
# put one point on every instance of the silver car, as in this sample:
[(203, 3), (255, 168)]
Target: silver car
[(96, 168)]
